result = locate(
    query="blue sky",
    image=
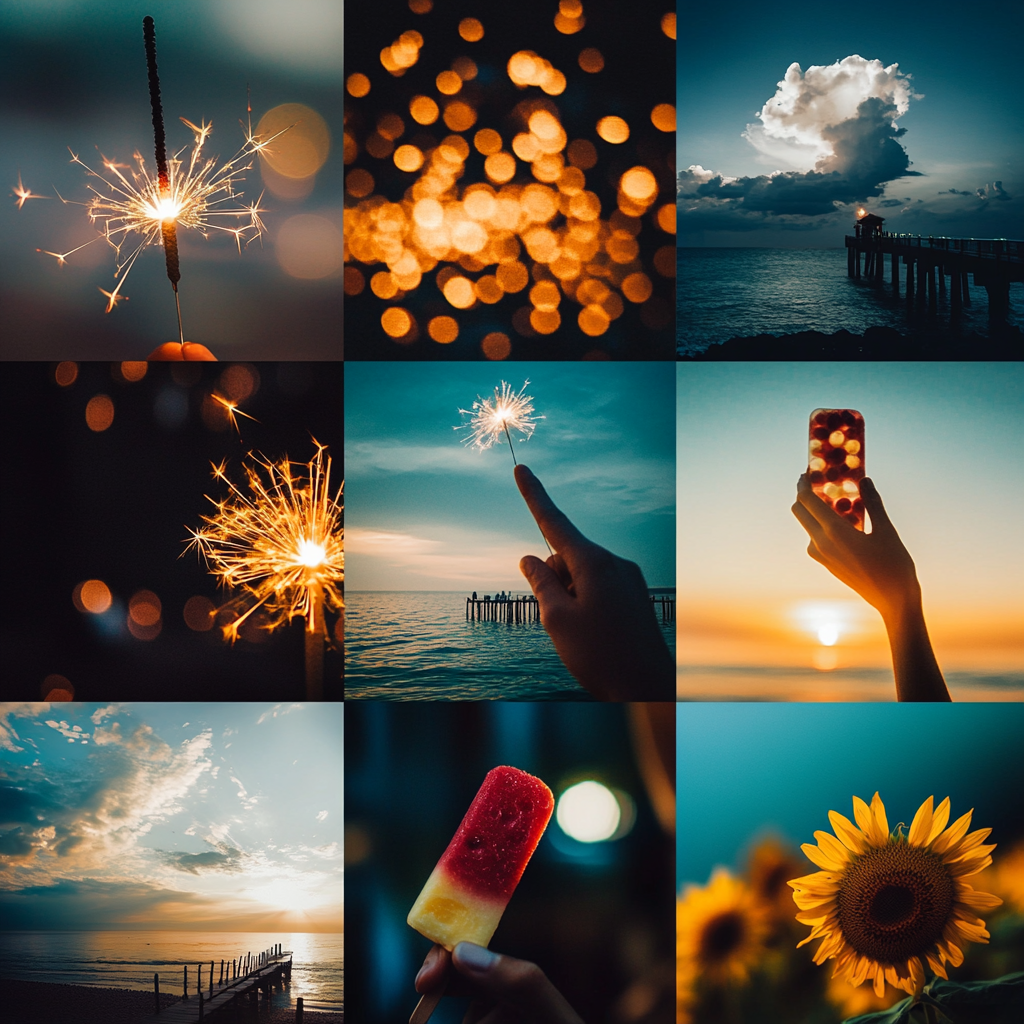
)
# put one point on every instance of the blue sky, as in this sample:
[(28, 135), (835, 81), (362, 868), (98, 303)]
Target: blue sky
[(173, 815), (425, 512), (745, 770), (963, 126)]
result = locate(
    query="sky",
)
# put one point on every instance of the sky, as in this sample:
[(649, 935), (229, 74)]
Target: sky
[(745, 770), (73, 74), (219, 817), (749, 595), (920, 117), (427, 512)]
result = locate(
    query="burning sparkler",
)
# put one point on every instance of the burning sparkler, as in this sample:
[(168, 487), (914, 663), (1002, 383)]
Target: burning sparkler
[(281, 546), (193, 192), (490, 417)]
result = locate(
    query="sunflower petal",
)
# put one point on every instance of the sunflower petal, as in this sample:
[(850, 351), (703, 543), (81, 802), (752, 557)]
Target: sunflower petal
[(940, 819), (879, 981), (820, 857), (881, 822), (848, 834), (862, 815), (937, 967), (833, 847), (977, 899), (817, 880), (922, 824), (953, 834)]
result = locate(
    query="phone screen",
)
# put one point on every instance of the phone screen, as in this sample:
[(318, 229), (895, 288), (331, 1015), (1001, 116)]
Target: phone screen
[(835, 461)]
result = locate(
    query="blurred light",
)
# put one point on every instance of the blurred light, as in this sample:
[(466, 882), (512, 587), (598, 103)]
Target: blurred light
[(639, 184), (665, 258), (57, 688), (496, 345), (396, 322), (424, 110), (66, 374), (311, 554), (99, 413), (448, 83), (390, 126), (459, 292), (240, 381), (591, 60), (825, 659), (302, 150), (465, 68), (471, 30), (668, 24), (443, 329), (408, 158), (582, 153), (637, 287), (500, 167), (144, 608), (354, 281), (421, 6), (828, 634), (140, 632), (827, 621), (198, 614), (663, 117), (459, 116), (92, 596), (309, 247), (613, 129), (134, 371), (358, 85), (588, 812)]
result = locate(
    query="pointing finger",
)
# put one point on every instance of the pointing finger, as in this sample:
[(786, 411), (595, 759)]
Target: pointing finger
[(554, 524)]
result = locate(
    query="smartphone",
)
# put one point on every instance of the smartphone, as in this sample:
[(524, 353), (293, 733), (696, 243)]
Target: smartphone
[(835, 461)]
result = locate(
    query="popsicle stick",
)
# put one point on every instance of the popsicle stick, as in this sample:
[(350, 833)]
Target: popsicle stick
[(428, 1002)]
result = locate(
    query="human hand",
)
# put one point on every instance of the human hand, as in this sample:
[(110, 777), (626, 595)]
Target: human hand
[(504, 990), (596, 608), (876, 565)]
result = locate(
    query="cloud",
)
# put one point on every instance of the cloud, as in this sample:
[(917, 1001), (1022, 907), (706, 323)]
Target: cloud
[(322, 816), (277, 711), (247, 801), (17, 709), (993, 191), (98, 716), (224, 858), (838, 123)]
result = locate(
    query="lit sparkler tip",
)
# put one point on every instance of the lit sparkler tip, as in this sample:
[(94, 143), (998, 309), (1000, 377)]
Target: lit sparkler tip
[(490, 418), (24, 193), (232, 410), (112, 297)]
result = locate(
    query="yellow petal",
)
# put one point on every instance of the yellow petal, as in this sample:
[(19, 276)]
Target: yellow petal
[(953, 834), (922, 824), (937, 967), (881, 822), (848, 834), (833, 848), (862, 814), (978, 900), (819, 857), (879, 982), (939, 819)]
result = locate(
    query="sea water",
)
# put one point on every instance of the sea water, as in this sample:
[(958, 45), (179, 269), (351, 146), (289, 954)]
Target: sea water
[(120, 959), (736, 293), (420, 646)]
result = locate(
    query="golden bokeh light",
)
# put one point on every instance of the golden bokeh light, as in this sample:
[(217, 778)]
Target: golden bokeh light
[(408, 158), (355, 282), (569, 19), (459, 291), (145, 608), (488, 290), (613, 129), (637, 287), (359, 183), (397, 322), (591, 60), (513, 277), (380, 147), (303, 141), (358, 85), (667, 218), (665, 260), (443, 329), (593, 320), (668, 24), (424, 110), (545, 321), (239, 382), (57, 688), (402, 54), (94, 596), (465, 68), (66, 373), (639, 184), (309, 247), (99, 413), (421, 6), (390, 127), (663, 117), (471, 30), (384, 285), (459, 116), (199, 613), (487, 141), (448, 83), (582, 153), (496, 345), (134, 371)]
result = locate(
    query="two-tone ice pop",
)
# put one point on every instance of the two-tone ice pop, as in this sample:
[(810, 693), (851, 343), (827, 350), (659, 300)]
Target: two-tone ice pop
[(468, 890)]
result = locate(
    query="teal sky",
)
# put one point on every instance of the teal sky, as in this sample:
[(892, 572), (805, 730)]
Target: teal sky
[(172, 815), (425, 512)]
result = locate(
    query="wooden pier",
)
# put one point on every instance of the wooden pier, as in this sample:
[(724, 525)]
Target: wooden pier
[(994, 262), (239, 985), (667, 604), (521, 608)]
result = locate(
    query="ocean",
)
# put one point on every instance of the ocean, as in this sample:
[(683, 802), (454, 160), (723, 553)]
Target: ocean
[(130, 959), (725, 293), (419, 646)]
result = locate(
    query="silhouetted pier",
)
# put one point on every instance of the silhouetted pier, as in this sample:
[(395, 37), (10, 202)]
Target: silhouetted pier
[(667, 604), (521, 608), (240, 983), (994, 262)]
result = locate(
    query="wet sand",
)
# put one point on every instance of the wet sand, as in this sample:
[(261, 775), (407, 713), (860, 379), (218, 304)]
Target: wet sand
[(33, 1002)]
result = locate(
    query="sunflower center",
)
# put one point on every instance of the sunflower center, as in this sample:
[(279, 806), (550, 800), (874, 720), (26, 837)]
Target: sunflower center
[(894, 901), (721, 936)]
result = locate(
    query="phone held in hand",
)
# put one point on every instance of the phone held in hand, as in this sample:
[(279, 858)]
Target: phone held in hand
[(835, 463)]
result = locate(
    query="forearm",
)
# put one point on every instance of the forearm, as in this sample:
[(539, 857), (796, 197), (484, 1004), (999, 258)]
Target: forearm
[(918, 676)]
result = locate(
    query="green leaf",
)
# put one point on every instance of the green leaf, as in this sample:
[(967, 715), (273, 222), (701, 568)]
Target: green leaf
[(972, 1002)]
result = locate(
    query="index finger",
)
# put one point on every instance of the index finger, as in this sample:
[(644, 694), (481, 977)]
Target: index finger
[(822, 511), (553, 522)]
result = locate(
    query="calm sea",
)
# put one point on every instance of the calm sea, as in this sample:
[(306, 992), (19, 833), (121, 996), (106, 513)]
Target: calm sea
[(419, 646), (737, 293), (130, 959)]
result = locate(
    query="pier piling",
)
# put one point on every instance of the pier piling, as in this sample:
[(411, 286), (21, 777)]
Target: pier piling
[(184, 994), (156, 991)]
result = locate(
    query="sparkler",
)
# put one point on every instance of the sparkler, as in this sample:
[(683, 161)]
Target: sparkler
[(281, 547), (489, 418), (232, 410), (193, 191)]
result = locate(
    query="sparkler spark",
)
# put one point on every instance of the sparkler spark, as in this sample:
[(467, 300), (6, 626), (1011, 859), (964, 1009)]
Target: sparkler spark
[(232, 410), (24, 193), (489, 418), (280, 546)]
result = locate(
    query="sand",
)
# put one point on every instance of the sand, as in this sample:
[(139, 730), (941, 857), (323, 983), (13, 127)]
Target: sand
[(32, 1002)]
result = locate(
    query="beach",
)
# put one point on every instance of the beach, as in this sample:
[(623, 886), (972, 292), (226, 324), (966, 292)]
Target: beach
[(35, 1002)]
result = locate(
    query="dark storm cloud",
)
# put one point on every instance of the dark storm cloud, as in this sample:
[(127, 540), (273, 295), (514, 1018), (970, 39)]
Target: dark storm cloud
[(225, 858)]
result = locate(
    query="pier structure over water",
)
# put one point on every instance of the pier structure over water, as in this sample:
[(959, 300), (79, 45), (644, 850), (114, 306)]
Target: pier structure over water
[(525, 608), (994, 262)]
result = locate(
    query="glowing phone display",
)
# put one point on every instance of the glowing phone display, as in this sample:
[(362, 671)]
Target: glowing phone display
[(835, 461)]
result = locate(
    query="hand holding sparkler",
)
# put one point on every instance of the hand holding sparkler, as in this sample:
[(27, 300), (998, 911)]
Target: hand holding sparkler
[(596, 608)]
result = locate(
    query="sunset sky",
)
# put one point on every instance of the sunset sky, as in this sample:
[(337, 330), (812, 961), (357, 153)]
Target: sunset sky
[(957, 123), (426, 512), (171, 816), (940, 446)]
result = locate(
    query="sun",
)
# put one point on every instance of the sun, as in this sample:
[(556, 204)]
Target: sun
[(885, 904), (288, 894)]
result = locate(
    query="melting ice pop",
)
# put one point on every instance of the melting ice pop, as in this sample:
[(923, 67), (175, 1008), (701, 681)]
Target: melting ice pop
[(469, 889)]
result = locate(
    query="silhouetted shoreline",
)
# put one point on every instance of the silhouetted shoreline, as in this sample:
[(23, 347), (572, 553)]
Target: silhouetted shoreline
[(881, 343)]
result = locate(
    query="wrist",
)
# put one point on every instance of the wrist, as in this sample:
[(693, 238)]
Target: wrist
[(905, 612)]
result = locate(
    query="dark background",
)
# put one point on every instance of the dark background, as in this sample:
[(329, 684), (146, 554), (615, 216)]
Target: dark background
[(639, 73), (78, 505)]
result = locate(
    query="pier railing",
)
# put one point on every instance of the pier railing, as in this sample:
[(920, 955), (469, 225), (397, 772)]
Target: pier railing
[(524, 608)]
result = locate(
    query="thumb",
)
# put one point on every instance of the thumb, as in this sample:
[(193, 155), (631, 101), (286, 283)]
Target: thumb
[(873, 503), (505, 979), (547, 587)]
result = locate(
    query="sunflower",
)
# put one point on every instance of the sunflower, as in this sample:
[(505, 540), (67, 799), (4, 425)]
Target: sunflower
[(770, 864), (883, 903), (720, 931)]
